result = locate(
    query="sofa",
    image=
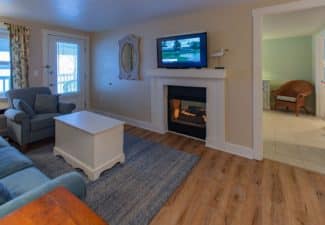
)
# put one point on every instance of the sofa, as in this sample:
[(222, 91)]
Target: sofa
[(31, 112), (21, 182)]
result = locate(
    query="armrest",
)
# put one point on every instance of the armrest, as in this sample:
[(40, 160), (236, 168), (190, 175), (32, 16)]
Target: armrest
[(16, 115), (275, 92), (65, 108), (301, 96), (72, 181)]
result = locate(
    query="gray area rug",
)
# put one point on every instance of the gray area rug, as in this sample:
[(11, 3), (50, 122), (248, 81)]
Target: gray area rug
[(132, 193)]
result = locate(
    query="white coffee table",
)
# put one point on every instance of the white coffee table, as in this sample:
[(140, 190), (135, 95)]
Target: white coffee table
[(89, 141)]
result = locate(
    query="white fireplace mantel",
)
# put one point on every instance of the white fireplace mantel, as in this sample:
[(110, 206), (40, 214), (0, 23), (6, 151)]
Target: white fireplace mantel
[(211, 79), (187, 73)]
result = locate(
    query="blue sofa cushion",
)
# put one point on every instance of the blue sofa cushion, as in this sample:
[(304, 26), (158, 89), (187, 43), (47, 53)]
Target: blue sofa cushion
[(74, 182), (23, 181), (22, 105), (42, 121), (11, 161), (5, 195), (3, 142), (46, 103)]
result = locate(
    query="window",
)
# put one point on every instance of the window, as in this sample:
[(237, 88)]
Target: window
[(4, 63), (67, 68)]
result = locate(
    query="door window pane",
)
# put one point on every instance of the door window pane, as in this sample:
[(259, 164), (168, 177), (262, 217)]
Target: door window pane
[(67, 68), (4, 63)]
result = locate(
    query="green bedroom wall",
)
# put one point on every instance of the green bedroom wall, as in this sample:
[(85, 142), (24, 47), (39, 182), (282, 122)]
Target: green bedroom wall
[(287, 59)]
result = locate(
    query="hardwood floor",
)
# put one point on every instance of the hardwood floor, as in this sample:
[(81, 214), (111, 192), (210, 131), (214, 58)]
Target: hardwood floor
[(228, 190)]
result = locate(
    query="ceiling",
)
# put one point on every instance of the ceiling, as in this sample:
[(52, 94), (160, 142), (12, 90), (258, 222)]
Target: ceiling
[(97, 15), (299, 23)]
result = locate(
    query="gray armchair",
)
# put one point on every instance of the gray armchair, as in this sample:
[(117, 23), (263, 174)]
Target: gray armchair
[(24, 127)]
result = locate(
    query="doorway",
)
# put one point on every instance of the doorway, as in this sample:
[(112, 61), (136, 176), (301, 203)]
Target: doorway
[(65, 70), (316, 132)]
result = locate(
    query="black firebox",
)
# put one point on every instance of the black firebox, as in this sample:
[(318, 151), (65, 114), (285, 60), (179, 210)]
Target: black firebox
[(187, 110)]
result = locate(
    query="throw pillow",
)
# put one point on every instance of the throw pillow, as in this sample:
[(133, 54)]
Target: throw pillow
[(46, 103), (22, 105), (5, 195)]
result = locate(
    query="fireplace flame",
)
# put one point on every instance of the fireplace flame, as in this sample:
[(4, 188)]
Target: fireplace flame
[(194, 116), (176, 106)]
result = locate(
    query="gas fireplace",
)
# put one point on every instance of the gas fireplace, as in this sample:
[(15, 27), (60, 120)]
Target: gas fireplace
[(187, 110)]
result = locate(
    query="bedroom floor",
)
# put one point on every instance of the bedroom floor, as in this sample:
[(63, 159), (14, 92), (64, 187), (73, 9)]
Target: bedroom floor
[(298, 141)]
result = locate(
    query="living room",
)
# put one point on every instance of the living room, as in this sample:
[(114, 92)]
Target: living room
[(136, 136)]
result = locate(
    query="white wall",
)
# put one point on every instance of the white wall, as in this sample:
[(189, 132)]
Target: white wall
[(228, 27)]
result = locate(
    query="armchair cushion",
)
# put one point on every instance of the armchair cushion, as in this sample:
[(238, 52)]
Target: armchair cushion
[(12, 161), (65, 108), (27, 94), (5, 195), (286, 98), (41, 121), (46, 103), (22, 105), (16, 115)]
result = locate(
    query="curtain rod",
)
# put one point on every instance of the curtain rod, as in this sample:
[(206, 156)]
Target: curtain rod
[(8, 24)]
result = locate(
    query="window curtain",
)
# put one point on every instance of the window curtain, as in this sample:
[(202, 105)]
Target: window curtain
[(19, 50)]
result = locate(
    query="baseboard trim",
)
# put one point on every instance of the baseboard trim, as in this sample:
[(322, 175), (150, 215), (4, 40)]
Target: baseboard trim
[(137, 123), (227, 147), (240, 150), (233, 149)]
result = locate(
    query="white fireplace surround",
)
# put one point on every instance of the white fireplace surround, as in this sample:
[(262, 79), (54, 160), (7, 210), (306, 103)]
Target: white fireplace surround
[(211, 79), (214, 81)]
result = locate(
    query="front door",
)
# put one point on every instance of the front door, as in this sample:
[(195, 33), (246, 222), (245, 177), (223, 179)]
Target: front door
[(66, 70)]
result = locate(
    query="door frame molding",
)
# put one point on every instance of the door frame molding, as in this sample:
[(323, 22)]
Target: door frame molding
[(86, 39), (258, 15), (318, 46)]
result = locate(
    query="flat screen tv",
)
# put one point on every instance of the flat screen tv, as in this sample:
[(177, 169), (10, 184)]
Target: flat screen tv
[(182, 51)]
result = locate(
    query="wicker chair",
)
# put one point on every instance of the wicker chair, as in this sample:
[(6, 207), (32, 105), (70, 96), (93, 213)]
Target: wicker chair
[(292, 94)]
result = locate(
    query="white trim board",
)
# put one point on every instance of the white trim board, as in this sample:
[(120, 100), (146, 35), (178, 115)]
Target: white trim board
[(318, 46), (234, 149), (258, 15), (288, 7)]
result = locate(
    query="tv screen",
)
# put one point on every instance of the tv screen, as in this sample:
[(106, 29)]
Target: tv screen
[(183, 51)]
